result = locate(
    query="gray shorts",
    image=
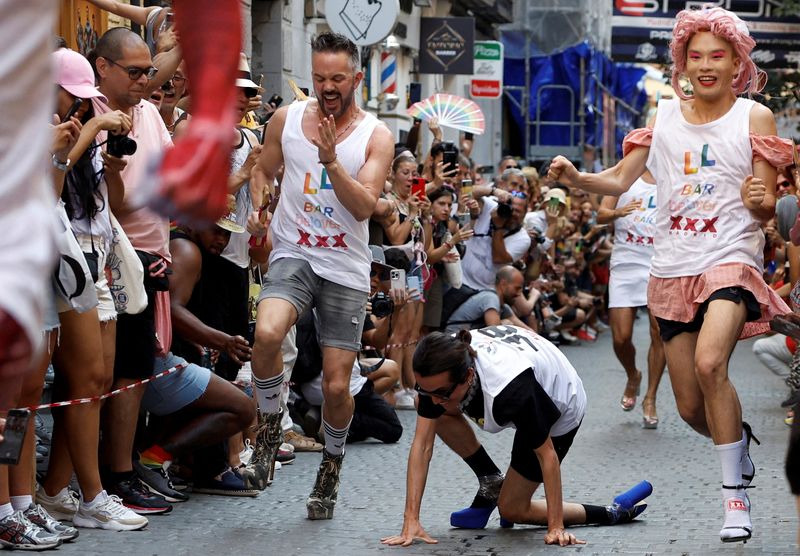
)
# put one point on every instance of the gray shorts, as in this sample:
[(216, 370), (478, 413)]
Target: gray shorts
[(340, 310)]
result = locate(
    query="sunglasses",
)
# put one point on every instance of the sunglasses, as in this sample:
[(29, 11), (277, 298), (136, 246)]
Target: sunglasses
[(382, 274), (519, 195), (135, 73), (443, 395), (250, 93)]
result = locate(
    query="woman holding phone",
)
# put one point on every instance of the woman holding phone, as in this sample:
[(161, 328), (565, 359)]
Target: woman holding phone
[(442, 233), (404, 230)]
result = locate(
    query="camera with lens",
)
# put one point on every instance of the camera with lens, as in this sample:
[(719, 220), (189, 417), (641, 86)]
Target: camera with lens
[(504, 210), (120, 145), (382, 305)]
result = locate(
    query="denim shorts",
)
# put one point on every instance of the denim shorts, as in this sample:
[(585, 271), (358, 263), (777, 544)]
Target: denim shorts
[(175, 391), (340, 310)]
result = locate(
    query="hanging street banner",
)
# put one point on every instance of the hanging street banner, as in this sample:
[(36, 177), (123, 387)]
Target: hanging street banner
[(641, 30), (487, 81), (446, 45)]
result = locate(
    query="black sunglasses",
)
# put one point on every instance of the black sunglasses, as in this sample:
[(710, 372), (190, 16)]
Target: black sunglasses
[(134, 72), (382, 274), (443, 395), (250, 93)]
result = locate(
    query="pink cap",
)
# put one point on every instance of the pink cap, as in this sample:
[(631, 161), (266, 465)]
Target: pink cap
[(74, 73)]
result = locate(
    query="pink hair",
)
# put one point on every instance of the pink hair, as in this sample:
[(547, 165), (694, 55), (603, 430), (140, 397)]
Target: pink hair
[(725, 25)]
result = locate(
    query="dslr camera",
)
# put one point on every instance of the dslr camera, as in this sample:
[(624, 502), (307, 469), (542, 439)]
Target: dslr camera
[(120, 145), (382, 305), (504, 210)]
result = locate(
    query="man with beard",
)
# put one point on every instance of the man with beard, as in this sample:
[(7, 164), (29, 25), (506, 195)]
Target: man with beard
[(336, 158)]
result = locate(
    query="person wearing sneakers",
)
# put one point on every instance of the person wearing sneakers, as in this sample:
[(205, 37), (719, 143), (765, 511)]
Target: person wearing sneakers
[(633, 214), (501, 377), (204, 409), (713, 155), (336, 158)]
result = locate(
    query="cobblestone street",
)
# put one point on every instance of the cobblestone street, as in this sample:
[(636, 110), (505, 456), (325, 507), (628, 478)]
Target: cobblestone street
[(611, 453)]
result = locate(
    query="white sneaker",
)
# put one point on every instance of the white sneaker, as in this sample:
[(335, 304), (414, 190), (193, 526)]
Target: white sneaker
[(286, 447), (568, 336), (62, 506), (108, 513), (246, 454), (404, 399)]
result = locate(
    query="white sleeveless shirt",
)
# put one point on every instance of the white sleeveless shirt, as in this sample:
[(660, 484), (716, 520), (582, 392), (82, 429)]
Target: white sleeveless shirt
[(310, 223), (505, 352), (634, 233), (702, 221)]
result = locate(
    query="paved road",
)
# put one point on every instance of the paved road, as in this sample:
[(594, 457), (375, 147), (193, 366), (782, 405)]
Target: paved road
[(610, 453)]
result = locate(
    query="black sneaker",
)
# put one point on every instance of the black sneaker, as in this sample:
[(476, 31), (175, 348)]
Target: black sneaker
[(138, 498), (158, 481), (323, 496)]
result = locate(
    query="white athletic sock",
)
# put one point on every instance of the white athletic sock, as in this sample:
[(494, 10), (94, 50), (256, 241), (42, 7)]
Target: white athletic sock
[(6, 510), (21, 502), (335, 438), (730, 457), (101, 497), (268, 393), (737, 513)]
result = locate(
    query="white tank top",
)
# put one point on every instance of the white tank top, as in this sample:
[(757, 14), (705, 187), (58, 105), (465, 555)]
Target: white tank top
[(238, 248), (701, 221), (310, 223), (633, 234), (504, 352)]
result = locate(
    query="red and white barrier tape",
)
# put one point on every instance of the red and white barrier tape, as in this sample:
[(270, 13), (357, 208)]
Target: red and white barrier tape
[(136, 384)]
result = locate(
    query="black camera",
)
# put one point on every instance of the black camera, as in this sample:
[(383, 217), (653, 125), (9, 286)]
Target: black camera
[(540, 239), (120, 145), (382, 305), (504, 210)]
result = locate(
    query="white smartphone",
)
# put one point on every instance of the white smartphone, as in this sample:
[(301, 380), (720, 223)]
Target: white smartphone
[(398, 279)]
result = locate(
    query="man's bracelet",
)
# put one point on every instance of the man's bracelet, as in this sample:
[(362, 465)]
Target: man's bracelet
[(335, 156)]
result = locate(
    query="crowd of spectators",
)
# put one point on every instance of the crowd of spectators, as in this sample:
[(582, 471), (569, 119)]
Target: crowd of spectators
[(452, 249)]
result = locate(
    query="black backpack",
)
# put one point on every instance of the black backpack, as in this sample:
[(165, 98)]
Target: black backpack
[(452, 300)]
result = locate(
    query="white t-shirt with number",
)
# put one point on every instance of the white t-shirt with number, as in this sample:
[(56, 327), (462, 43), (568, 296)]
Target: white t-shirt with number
[(504, 352)]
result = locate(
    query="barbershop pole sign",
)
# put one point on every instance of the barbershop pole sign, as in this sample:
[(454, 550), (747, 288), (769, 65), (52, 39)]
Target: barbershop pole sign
[(365, 22), (446, 45)]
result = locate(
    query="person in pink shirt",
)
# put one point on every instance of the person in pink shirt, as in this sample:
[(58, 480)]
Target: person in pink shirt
[(713, 154), (124, 67)]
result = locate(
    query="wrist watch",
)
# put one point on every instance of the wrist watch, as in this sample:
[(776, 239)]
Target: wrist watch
[(58, 165)]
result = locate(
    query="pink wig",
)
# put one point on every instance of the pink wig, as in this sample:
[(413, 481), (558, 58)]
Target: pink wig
[(725, 25)]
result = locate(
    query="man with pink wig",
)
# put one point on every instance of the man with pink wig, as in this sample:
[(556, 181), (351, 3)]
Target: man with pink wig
[(714, 155)]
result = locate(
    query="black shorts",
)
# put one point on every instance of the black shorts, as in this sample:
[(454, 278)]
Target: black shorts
[(136, 343), (523, 456), (671, 328)]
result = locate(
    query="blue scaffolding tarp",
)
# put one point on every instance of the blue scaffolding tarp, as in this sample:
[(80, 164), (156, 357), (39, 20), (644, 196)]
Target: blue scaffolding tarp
[(564, 68)]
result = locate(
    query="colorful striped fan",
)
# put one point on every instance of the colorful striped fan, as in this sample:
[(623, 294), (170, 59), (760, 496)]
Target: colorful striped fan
[(451, 111)]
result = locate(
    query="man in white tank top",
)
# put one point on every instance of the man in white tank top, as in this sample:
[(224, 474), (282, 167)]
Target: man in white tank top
[(713, 194), (336, 158)]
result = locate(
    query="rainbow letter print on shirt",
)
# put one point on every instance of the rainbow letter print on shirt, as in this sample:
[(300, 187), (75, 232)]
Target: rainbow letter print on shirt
[(704, 161), (324, 182)]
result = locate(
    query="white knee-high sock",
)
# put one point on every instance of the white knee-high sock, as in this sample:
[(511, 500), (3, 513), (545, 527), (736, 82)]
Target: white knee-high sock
[(335, 438), (730, 458), (268, 393)]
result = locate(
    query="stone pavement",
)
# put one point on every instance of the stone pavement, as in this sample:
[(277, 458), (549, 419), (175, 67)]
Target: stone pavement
[(611, 453)]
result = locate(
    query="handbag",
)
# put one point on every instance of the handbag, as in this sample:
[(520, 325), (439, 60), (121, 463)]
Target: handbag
[(127, 273)]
